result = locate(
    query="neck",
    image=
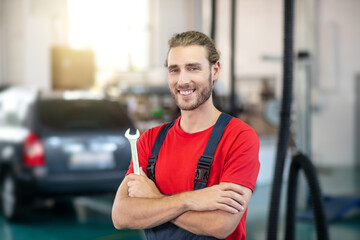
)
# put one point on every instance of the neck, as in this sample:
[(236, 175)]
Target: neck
[(199, 119)]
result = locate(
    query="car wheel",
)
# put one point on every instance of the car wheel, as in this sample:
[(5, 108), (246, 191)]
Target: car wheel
[(12, 206)]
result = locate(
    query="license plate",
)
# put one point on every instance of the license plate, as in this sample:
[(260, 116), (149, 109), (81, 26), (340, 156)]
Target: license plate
[(91, 160)]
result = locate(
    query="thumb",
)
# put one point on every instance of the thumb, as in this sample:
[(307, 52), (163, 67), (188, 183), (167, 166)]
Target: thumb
[(142, 173)]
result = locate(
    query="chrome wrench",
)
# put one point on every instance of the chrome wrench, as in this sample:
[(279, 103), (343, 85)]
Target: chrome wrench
[(133, 139)]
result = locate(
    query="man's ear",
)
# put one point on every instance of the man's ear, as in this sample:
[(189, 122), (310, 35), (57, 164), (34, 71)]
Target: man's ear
[(215, 70)]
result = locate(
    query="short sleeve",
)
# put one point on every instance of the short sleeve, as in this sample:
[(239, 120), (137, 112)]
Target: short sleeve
[(242, 161)]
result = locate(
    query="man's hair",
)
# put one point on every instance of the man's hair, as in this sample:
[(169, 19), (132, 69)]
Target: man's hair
[(190, 38)]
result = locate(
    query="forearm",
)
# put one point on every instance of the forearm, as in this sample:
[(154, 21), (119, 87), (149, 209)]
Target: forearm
[(219, 224), (138, 205), (140, 213)]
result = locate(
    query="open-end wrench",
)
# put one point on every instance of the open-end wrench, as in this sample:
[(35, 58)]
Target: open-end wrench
[(133, 139)]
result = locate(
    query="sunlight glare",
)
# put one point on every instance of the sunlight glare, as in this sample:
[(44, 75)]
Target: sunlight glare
[(117, 31)]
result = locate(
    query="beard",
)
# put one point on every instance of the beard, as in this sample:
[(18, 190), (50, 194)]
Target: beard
[(202, 95)]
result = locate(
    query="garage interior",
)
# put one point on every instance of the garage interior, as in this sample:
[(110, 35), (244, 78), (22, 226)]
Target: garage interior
[(118, 48)]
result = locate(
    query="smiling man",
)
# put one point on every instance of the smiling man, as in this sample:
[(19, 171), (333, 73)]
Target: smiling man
[(190, 63), (200, 177)]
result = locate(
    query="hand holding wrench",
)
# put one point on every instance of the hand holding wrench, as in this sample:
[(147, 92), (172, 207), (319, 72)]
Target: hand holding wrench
[(133, 139)]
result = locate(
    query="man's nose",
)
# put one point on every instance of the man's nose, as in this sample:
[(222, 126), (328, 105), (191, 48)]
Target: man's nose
[(184, 78)]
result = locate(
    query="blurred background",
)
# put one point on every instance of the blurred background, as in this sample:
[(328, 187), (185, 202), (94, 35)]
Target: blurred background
[(75, 74)]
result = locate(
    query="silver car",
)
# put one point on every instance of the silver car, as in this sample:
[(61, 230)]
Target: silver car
[(56, 145)]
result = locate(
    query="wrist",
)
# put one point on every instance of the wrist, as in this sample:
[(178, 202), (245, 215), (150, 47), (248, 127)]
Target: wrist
[(185, 201)]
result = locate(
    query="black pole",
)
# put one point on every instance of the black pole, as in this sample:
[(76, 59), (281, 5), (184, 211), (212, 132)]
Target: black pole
[(284, 128), (233, 109), (213, 20), (216, 98)]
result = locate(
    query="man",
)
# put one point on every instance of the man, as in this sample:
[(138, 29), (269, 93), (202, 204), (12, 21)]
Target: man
[(170, 209)]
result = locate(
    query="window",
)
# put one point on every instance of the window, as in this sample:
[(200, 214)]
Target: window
[(117, 31), (83, 115), (15, 103)]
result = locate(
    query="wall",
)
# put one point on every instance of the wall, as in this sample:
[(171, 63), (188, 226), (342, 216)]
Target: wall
[(330, 31), (2, 25), (258, 39), (169, 17), (357, 119), (12, 41), (29, 29), (166, 18), (339, 62), (34, 25)]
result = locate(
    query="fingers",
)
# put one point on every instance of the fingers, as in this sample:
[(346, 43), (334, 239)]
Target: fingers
[(134, 189), (133, 176), (228, 208), (227, 198), (231, 197), (232, 187), (236, 197), (232, 204), (134, 179), (141, 186)]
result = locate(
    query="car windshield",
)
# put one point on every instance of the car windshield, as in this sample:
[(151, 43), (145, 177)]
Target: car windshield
[(82, 114)]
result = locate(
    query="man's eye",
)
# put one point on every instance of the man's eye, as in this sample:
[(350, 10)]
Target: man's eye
[(173, 70), (194, 68)]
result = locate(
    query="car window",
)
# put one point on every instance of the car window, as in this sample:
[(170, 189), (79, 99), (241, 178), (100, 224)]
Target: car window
[(14, 105), (82, 114)]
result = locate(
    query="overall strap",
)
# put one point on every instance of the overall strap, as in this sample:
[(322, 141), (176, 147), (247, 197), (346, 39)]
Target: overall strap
[(150, 168), (206, 159), (169, 230)]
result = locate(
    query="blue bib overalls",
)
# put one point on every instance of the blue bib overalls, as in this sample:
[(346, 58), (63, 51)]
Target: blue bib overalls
[(168, 230)]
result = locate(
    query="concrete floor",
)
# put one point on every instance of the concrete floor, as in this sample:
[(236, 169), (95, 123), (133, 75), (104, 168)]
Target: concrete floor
[(90, 219)]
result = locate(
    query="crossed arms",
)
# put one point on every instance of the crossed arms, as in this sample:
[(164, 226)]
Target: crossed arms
[(212, 211)]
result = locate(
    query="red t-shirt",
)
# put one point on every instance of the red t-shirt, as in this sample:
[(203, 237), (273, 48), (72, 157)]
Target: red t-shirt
[(235, 160)]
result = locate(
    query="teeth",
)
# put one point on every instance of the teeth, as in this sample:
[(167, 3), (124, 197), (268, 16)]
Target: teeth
[(186, 92)]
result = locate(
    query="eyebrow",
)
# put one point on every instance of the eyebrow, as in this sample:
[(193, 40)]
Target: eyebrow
[(186, 65), (173, 66), (193, 64)]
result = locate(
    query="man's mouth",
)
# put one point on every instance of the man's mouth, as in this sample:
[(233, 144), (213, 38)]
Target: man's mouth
[(186, 92)]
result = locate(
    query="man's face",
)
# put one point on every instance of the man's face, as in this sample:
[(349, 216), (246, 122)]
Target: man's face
[(190, 76)]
